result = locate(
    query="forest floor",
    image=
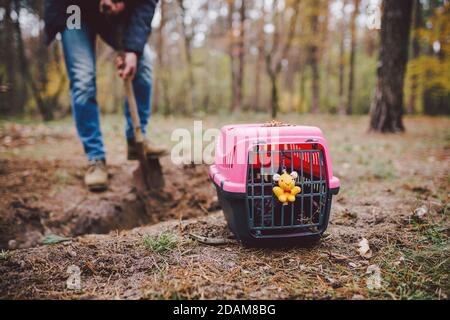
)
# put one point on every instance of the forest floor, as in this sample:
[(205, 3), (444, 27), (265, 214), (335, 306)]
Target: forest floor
[(395, 192)]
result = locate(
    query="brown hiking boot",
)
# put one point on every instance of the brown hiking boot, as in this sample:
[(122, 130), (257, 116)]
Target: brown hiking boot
[(96, 177), (151, 150)]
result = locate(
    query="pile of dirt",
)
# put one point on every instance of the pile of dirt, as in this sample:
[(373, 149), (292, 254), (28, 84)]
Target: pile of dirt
[(49, 197)]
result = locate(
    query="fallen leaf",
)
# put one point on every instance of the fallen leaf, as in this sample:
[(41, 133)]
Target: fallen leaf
[(374, 279), (400, 260), (420, 212), (334, 283), (364, 249), (210, 241), (338, 257), (51, 238)]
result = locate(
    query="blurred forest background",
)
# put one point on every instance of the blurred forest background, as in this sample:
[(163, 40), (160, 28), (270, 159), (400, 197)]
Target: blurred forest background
[(223, 56)]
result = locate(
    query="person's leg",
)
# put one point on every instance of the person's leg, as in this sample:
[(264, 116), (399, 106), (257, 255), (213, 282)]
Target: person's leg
[(142, 85), (79, 54)]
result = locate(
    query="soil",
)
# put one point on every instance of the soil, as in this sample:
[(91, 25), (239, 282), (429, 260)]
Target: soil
[(32, 207), (385, 179)]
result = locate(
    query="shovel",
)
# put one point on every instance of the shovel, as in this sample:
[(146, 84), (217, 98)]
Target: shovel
[(148, 175)]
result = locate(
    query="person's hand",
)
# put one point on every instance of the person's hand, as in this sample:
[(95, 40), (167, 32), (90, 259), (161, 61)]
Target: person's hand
[(126, 65), (111, 7)]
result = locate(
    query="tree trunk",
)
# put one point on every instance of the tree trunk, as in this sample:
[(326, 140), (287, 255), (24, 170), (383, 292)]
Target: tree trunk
[(45, 111), (164, 67), (259, 64), (290, 77), (351, 74), (387, 105), (206, 77), (231, 44), (313, 51), (161, 61), (241, 55), (415, 51), (10, 104), (315, 87), (62, 82), (188, 36), (274, 96), (237, 55), (274, 58), (435, 100), (341, 108), (302, 80)]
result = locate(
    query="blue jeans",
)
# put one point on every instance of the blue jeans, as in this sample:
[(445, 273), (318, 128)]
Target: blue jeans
[(79, 54)]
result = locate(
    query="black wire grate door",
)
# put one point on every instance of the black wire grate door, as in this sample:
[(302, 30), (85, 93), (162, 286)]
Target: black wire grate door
[(269, 217)]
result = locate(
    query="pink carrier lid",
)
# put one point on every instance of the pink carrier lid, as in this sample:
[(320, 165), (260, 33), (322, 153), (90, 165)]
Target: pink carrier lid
[(231, 159)]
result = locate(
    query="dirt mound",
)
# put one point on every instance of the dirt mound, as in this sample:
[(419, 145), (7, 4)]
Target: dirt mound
[(49, 197)]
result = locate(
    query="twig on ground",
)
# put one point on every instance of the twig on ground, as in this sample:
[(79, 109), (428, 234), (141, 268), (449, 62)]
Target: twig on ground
[(210, 241), (205, 211)]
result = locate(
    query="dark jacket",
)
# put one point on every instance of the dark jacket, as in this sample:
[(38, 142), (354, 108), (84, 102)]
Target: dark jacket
[(129, 31)]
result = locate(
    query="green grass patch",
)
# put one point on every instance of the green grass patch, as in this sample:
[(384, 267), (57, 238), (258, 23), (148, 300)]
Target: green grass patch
[(422, 274), (4, 255), (51, 238), (383, 171), (164, 242)]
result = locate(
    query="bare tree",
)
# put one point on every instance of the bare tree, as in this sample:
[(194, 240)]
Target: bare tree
[(302, 87), (387, 105), (36, 91), (236, 51), (231, 45), (327, 57), (241, 55), (260, 61), (351, 74), (9, 104), (279, 51), (415, 52), (164, 74), (289, 77), (188, 35), (206, 79), (313, 55), (341, 64)]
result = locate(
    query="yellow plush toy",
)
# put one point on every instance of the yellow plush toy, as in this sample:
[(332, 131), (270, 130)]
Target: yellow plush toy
[(286, 189)]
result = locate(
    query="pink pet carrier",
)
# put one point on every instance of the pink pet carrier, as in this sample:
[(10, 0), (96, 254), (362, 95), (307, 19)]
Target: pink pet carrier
[(249, 157)]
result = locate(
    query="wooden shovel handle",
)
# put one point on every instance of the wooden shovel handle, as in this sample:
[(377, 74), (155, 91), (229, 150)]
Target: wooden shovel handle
[(132, 105)]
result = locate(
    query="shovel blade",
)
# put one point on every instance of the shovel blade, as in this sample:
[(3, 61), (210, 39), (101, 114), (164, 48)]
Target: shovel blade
[(139, 181), (148, 176)]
